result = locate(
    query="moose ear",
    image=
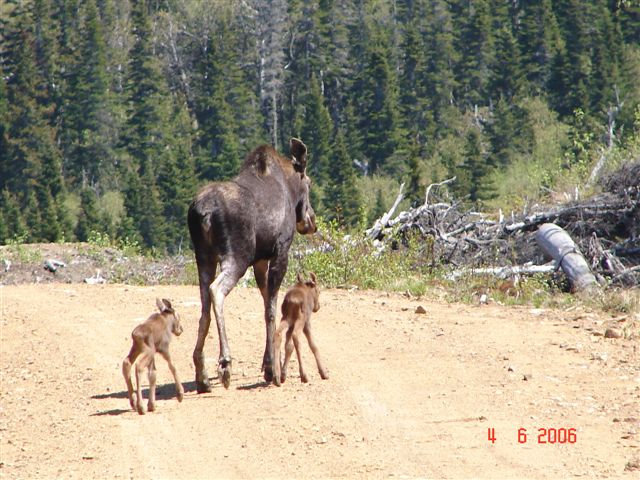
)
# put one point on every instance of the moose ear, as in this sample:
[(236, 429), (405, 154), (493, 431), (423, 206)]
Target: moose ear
[(300, 278), (313, 278), (299, 154), (160, 305), (167, 304)]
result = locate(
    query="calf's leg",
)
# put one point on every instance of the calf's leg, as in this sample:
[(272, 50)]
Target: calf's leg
[(179, 387), (152, 386), (126, 372), (277, 343), (314, 349), (288, 350), (297, 330), (146, 358)]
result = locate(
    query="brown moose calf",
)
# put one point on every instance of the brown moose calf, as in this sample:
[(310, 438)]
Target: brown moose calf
[(299, 302), (151, 336)]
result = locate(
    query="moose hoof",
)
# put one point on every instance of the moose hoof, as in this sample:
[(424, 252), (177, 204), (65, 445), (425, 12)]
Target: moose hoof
[(324, 375), (225, 377), (203, 387), (151, 407), (268, 375), (140, 409), (180, 396), (276, 380), (304, 379)]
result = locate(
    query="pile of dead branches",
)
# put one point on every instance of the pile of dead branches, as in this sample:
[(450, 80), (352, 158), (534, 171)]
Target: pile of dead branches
[(606, 228)]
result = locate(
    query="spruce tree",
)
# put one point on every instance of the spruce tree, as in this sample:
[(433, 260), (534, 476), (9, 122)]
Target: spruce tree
[(89, 217), (477, 46), (15, 225), (35, 166), (316, 132), (90, 112), (377, 105), (148, 140), (342, 197), (540, 42), (477, 169)]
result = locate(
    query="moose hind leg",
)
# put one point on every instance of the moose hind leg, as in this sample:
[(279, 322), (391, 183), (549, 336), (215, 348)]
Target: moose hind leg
[(206, 273), (220, 288)]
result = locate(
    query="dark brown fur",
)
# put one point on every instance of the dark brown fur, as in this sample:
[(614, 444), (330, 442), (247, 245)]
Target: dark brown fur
[(299, 302), (248, 221), (151, 337)]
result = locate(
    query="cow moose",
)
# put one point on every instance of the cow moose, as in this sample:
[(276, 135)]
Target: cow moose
[(300, 301), (151, 337), (248, 221)]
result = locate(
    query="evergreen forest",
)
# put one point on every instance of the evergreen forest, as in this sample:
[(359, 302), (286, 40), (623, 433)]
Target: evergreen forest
[(114, 112)]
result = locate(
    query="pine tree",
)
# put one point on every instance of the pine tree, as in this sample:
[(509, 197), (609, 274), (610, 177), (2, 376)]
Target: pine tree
[(151, 146), (89, 217), (15, 225), (540, 42), (377, 106), (414, 99), (572, 70), (506, 79), (316, 132), (89, 114), (176, 181), (35, 172), (441, 84), (477, 169), (477, 47), (342, 198), (218, 142)]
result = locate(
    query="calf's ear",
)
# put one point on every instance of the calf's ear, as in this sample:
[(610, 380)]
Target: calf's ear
[(160, 305), (313, 278), (167, 304), (299, 278), (298, 154)]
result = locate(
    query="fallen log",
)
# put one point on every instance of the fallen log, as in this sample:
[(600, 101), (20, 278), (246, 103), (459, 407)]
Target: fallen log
[(381, 223), (502, 272), (556, 243)]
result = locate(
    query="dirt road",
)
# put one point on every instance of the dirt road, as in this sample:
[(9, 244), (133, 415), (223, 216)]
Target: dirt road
[(409, 395)]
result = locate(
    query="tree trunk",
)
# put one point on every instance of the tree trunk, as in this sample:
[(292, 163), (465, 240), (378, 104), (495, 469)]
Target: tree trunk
[(556, 243)]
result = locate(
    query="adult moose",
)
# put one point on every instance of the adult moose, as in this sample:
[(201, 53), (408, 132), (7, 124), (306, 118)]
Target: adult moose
[(248, 221)]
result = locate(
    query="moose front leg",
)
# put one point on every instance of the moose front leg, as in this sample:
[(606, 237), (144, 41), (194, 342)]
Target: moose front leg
[(275, 275), (261, 272)]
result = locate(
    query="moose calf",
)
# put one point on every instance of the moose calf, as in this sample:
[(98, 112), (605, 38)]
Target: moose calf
[(299, 302), (151, 336)]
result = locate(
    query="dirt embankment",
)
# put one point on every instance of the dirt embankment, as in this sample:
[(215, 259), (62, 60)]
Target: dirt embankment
[(409, 395)]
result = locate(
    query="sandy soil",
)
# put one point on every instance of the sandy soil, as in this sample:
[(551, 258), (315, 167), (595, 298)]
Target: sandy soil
[(409, 395)]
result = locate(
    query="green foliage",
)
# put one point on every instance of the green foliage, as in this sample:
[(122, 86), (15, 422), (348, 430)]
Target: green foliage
[(128, 247), (341, 260), (141, 102)]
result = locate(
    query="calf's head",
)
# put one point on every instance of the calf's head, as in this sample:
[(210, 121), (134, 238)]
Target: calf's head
[(311, 286), (305, 216), (167, 310)]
